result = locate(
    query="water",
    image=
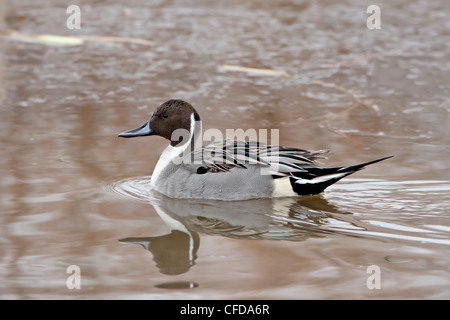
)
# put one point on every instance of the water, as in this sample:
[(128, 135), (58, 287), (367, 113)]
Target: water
[(75, 194)]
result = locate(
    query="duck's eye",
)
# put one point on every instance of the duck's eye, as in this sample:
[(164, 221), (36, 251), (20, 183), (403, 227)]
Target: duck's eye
[(165, 115)]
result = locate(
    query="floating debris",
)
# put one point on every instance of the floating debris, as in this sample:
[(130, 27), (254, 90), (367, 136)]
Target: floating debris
[(267, 72), (57, 40)]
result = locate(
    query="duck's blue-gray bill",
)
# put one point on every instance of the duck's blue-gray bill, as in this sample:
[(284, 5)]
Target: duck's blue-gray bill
[(143, 130)]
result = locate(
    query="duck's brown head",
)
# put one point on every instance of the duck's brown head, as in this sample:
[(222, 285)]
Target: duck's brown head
[(168, 117)]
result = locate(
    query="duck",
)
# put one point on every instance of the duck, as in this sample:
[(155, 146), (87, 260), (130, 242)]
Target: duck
[(230, 169)]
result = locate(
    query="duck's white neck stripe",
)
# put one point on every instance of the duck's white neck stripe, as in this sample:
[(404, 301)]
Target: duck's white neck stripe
[(172, 154)]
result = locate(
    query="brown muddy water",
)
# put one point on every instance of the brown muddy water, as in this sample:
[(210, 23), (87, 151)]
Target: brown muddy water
[(74, 194)]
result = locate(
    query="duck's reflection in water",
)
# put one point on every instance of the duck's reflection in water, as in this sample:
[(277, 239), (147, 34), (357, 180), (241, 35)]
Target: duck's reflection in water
[(293, 219), (174, 253)]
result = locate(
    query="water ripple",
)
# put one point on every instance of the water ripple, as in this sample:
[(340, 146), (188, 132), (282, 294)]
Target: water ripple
[(372, 208)]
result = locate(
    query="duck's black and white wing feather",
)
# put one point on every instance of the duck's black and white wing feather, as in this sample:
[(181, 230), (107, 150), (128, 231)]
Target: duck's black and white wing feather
[(279, 161)]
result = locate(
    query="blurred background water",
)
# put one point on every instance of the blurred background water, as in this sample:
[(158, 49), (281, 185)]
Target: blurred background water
[(72, 193)]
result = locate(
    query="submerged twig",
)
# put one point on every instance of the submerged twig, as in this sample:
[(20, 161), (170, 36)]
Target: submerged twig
[(357, 100), (347, 136)]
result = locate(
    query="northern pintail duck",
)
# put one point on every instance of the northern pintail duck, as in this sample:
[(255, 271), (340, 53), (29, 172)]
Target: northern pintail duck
[(230, 170)]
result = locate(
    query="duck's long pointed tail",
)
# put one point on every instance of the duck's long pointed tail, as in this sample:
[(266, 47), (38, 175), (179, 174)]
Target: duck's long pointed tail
[(360, 166), (317, 179)]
